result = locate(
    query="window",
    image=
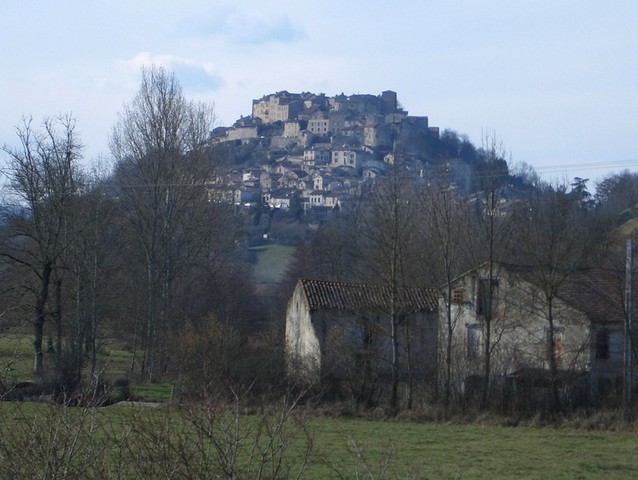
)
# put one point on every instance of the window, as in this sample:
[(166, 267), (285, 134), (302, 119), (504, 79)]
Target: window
[(602, 345), (557, 341), (484, 296), (473, 340), (458, 295), (558, 345)]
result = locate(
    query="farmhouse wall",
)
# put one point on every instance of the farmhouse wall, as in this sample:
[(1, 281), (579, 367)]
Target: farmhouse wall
[(302, 344), (519, 328)]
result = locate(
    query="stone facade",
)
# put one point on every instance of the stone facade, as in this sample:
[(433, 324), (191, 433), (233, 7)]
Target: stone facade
[(587, 333), (281, 106), (330, 324)]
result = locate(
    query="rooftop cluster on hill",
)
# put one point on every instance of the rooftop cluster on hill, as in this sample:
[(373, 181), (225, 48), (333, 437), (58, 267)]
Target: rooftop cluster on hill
[(320, 150)]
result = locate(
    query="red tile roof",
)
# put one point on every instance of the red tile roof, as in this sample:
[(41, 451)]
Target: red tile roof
[(322, 295)]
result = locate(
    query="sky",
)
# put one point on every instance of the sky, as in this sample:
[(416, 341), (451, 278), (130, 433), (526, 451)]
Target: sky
[(556, 81)]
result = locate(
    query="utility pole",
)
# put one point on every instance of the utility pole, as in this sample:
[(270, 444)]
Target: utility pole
[(627, 351)]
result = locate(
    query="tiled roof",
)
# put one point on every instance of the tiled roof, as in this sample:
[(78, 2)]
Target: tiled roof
[(322, 295), (597, 292)]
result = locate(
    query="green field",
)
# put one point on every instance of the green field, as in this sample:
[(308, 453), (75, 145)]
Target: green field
[(16, 365), (445, 451), (270, 262), (16, 357), (163, 440)]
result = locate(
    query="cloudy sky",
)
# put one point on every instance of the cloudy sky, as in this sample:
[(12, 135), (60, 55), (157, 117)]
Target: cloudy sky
[(556, 80)]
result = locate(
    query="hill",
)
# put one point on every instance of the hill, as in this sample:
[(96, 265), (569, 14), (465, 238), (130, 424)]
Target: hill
[(309, 152)]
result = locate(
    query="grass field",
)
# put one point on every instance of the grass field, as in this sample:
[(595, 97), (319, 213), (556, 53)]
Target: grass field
[(341, 447), (270, 262), (16, 357), (359, 448), (444, 451), (16, 365)]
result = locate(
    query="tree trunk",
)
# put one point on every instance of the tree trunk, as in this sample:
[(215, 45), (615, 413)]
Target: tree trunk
[(553, 363), (448, 347), (408, 356), (394, 396), (57, 317), (93, 334), (487, 364), (149, 355), (38, 322)]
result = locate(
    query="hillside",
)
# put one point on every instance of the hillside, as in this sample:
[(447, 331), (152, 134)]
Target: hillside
[(308, 153)]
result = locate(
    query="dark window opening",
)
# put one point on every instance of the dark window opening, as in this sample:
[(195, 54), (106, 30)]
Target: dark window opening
[(485, 295), (602, 345)]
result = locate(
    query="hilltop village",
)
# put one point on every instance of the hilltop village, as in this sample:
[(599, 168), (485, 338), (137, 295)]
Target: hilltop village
[(318, 151)]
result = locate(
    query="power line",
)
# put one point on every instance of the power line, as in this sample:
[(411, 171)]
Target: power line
[(615, 164)]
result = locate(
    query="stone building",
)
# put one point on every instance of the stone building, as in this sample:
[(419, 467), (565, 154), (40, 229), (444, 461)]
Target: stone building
[(280, 106), (341, 331), (586, 334)]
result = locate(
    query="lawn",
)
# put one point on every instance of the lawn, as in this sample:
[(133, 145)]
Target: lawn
[(469, 451), (270, 262), (16, 365), (16, 357), (153, 392)]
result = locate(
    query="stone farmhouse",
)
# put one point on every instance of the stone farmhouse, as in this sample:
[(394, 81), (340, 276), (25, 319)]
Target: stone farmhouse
[(588, 332), (340, 331), (340, 140), (331, 326)]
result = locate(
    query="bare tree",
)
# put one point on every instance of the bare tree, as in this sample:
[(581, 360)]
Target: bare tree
[(488, 235), (389, 232), (159, 143), (90, 262), (553, 240), (41, 186), (442, 231), (333, 253)]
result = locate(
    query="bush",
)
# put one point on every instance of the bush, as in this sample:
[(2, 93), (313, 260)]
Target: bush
[(204, 440), (206, 353), (122, 389)]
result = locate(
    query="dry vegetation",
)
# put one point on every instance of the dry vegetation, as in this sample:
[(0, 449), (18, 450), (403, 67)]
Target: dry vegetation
[(213, 440)]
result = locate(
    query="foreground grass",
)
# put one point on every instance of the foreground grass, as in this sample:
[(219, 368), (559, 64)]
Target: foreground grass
[(470, 451), (341, 448)]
